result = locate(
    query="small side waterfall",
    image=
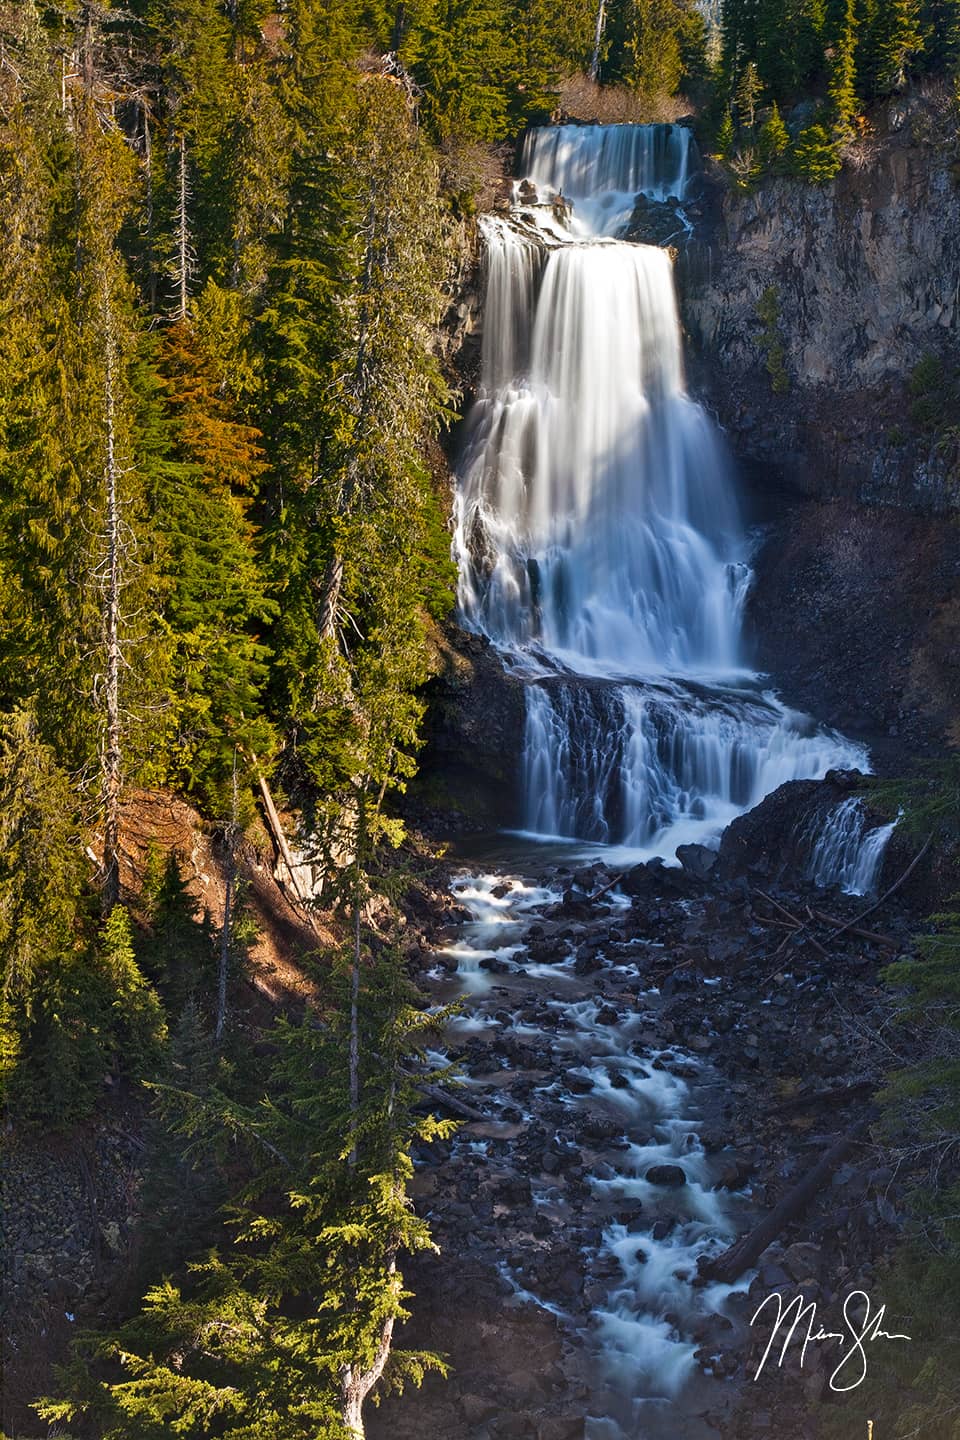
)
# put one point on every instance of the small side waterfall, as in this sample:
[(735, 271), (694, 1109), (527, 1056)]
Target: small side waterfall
[(597, 528), (847, 852)]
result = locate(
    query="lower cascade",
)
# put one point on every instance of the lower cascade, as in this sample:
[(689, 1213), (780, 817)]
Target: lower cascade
[(598, 536)]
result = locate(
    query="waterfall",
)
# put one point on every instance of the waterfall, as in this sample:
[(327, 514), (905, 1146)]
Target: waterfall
[(845, 852), (598, 537), (602, 168)]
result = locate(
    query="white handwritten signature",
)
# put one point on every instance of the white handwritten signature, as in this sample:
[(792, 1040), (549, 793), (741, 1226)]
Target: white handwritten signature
[(852, 1369)]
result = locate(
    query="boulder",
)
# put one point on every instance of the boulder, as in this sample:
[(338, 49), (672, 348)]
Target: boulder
[(670, 1177), (697, 860)]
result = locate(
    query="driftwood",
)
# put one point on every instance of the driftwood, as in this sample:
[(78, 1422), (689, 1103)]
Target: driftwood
[(745, 1252), (795, 926), (870, 935), (600, 893)]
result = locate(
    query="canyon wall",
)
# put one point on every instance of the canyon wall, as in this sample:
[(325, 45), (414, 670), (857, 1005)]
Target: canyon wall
[(808, 310)]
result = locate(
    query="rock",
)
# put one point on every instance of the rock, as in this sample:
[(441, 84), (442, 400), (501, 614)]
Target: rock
[(697, 860), (667, 1176), (802, 1261), (477, 1408), (655, 222), (561, 1427)]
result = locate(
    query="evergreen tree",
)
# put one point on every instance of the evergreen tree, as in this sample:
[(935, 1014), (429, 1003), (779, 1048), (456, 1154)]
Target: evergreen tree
[(774, 139), (291, 1329), (814, 156), (893, 44), (749, 89), (843, 99), (176, 951)]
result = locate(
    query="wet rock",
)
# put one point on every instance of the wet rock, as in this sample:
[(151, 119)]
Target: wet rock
[(666, 1176), (697, 860)]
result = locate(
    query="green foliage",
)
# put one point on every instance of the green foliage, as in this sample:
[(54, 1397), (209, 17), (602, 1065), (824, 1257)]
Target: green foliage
[(290, 1324), (934, 387), (774, 138), (176, 947), (841, 90), (725, 135), (927, 800), (815, 156), (768, 313)]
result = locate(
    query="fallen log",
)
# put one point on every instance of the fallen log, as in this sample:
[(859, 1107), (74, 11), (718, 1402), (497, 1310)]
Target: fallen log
[(870, 935), (745, 1252), (600, 893), (443, 1098)]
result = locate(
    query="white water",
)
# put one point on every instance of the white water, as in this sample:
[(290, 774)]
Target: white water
[(637, 1341), (598, 536), (846, 852), (602, 169)]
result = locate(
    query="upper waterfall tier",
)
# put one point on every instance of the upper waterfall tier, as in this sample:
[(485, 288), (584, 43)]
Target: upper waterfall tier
[(602, 168), (597, 521)]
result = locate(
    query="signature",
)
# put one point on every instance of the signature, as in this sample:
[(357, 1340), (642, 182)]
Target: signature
[(801, 1316)]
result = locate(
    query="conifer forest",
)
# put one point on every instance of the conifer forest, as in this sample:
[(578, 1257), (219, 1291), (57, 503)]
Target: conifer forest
[(479, 709)]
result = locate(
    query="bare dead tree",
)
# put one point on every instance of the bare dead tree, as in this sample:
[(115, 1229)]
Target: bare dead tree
[(186, 262), (597, 38), (111, 766)]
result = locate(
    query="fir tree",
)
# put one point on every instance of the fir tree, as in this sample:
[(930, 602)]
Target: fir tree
[(291, 1329), (893, 44), (814, 156), (774, 138), (843, 99)]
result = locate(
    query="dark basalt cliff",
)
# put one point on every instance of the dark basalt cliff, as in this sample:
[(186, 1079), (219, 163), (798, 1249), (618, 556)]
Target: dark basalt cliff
[(855, 609)]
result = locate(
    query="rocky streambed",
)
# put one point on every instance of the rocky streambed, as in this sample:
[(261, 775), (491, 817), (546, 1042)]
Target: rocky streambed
[(652, 1059)]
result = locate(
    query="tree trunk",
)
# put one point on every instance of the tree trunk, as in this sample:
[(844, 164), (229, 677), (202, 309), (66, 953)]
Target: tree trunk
[(744, 1253), (148, 206), (598, 36), (330, 596), (224, 967), (355, 1385), (111, 771), (184, 257)]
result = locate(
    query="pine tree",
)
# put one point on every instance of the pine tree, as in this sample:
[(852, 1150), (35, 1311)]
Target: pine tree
[(774, 139), (176, 951), (749, 89), (894, 43), (725, 135), (290, 1329), (814, 156), (843, 99)]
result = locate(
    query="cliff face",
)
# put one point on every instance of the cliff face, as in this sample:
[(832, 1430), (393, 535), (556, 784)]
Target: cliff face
[(864, 275), (856, 607)]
